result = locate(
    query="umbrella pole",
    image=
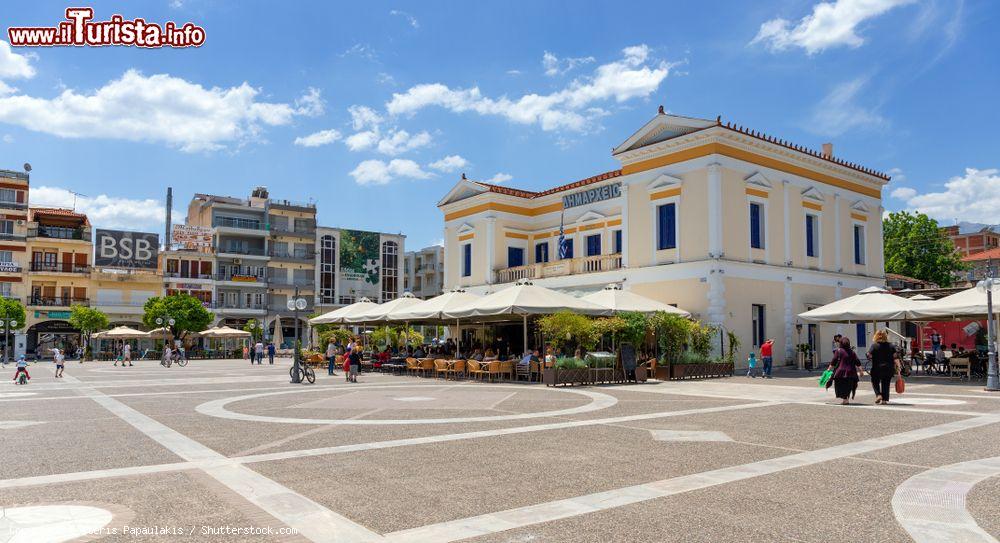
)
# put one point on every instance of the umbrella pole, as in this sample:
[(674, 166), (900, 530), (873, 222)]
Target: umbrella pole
[(525, 316)]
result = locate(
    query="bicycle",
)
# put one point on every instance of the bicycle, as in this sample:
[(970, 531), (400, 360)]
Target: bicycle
[(305, 374), (174, 358)]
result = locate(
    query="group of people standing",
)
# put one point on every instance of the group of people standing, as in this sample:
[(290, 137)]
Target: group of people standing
[(848, 370), (352, 358), (257, 351)]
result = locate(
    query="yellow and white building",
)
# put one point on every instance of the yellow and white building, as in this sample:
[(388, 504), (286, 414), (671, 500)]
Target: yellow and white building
[(743, 230)]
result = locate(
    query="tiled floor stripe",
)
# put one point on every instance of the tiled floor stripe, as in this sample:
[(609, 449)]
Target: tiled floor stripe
[(930, 506)]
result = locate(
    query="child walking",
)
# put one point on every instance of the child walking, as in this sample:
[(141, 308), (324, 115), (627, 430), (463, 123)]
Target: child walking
[(752, 368)]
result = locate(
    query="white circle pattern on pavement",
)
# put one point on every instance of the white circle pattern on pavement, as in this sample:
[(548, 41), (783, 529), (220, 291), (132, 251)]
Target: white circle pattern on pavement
[(217, 408), (913, 400), (50, 523), (16, 394), (414, 399)]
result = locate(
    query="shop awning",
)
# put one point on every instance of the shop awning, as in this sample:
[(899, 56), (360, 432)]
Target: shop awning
[(967, 304)]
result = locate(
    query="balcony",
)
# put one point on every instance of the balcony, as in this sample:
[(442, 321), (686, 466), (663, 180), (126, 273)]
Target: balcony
[(559, 268), (21, 206), (57, 301), (241, 250), (287, 230), (59, 232), (295, 256), (59, 267), (285, 282), (235, 222), (179, 275), (293, 205), (229, 308), (241, 278)]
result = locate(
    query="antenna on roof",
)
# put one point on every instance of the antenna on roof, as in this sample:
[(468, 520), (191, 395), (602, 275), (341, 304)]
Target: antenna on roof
[(75, 194)]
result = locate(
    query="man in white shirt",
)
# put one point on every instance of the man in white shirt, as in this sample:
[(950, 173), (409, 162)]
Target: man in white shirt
[(258, 350)]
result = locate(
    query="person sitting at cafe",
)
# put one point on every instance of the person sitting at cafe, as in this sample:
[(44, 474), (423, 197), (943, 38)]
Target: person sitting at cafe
[(419, 352), (477, 355)]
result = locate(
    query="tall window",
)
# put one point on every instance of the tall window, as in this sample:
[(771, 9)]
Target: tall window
[(862, 335), (756, 225), (6, 256), (5, 289), (812, 236), (759, 326), (8, 196), (6, 229), (467, 260), (541, 252), (327, 269), (859, 244), (666, 226), (390, 270), (594, 245), (617, 246), (515, 257)]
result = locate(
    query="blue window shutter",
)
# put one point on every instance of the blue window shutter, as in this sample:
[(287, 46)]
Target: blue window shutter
[(515, 257), (755, 226), (666, 237), (541, 252), (569, 247), (467, 260), (862, 335), (594, 245), (810, 248), (618, 241)]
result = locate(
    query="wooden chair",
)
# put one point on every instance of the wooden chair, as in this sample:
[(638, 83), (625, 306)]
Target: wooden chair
[(411, 365), (960, 366), (440, 367), (457, 368), (475, 369), (425, 366), (507, 368)]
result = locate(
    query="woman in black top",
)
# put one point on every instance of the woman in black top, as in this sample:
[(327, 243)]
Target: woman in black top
[(846, 368), (884, 365)]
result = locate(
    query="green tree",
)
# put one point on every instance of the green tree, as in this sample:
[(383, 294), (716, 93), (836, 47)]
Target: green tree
[(671, 333), (11, 309), (255, 328), (916, 246), (566, 330), (87, 320), (187, 311)]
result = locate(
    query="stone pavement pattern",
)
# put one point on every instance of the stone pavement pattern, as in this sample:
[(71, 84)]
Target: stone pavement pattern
[(225, 451)]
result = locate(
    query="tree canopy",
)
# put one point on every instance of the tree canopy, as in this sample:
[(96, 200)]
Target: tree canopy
[(187, 311), (87, 320), (916, 247), (12, 309)]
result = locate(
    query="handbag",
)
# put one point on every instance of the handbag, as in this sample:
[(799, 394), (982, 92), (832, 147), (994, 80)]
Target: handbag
[(900, 385), (825, 378)]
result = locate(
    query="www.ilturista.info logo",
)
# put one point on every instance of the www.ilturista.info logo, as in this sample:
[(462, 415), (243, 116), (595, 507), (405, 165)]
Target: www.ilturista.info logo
[(79, 29)]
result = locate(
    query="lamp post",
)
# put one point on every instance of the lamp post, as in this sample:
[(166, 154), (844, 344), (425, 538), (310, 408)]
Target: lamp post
[(295, 305), (170, 322), (7, 325), (992, 379)]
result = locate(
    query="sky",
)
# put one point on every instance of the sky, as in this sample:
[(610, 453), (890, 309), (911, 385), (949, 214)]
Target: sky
[(373, 109)]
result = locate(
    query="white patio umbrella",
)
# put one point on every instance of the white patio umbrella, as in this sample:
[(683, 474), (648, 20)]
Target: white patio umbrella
[(525, 298), (224, 332), (617, 300), (279, 333), (120, 332), (873, 304), (337, 315), (385, 311), (967, 304), (435, 308)]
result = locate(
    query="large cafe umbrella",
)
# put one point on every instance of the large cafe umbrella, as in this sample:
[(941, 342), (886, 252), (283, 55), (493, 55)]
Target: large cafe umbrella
[(618, 300), (337, 316), (382, 312), (435, 308), (873, 304), (525, 298), (966, 304), (120, 332)]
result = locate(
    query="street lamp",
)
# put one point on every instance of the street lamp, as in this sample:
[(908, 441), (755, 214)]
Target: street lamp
[(170, 322), (8, 325), (295, 305), (992, 379)]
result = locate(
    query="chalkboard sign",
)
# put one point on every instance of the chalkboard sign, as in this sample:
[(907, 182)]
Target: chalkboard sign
[(628, 358)]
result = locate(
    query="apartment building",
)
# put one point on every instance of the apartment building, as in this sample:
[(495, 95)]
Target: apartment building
[(355, 264), (60, 248), (293, 262), (744, 230), (972, 242), (13, 245), (423, 272)]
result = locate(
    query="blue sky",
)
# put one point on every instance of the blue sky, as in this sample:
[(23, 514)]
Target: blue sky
[(374, 109)]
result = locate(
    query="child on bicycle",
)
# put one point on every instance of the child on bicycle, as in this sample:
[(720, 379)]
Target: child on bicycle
[(22, 367)]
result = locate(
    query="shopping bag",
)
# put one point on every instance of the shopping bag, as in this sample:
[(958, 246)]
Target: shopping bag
[(900, 385), (825, 378)]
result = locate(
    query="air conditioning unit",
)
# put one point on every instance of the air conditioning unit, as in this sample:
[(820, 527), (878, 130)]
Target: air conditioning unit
[(20, 222), (237, 261)]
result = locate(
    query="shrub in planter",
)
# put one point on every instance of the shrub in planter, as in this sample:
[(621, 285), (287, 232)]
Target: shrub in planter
[(570, 363)]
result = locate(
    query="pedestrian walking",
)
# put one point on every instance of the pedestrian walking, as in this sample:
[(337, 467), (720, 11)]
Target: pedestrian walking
[(752, 368), (331, 357), (246, 354), (766, 351), (355, 361), (270, 352), (846, 371), (884, 365), (60, 360), (258, 350), (126, 355)]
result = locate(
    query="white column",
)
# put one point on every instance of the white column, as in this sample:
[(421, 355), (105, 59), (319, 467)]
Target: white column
[(715, 210), (789, 320), (490, 249), (444, 266), (879, 241), (716, 303), (836, 235), (625, 237), (838, 294), (788, 219)]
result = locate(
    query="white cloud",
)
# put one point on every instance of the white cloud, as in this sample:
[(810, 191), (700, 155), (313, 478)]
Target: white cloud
[(400, 141), (556, 66), (385, 79), (362, 50), (831, 24), (896, 174), (409, 18), (839, 112), (103, 210), (513, 72), (13, 65), (158, 108), (361, 140), (448, 164), (624, 79), (323, 137), (363, 117), (973, 197), (7, 138), (499, 179), (311, 104), (377, 172)]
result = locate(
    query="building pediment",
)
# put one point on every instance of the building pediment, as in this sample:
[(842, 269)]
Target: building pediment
[(462, 190), (812, 193), (589, 216), (860, 207), (664, 181), (466, 227), (660, 128), (758, 181)]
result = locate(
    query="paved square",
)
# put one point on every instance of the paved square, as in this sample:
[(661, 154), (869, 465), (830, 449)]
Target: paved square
[(225, 451)]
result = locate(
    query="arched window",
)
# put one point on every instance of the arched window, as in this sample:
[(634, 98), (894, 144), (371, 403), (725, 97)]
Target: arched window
[(390, 270), (327, 269)]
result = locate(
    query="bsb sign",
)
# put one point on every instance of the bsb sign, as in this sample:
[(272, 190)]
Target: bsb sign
[(120, 249), (599, 194)]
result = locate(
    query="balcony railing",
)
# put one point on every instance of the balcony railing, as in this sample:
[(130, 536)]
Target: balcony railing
[(569, 266), (233, 222), (236, 307), (4, 236), (288, 230), (291, 283), (57, 301), (240, 278), (12, 205), (179, 275), (293, 255), (59, 267), (239, 250), (59, 232)]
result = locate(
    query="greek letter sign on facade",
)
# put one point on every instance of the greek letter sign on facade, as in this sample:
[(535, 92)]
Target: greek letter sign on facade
[(120, 249), (599, 194)]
